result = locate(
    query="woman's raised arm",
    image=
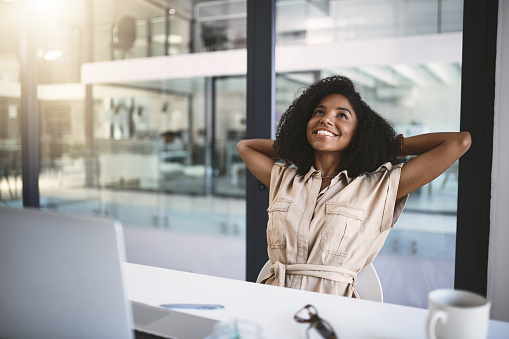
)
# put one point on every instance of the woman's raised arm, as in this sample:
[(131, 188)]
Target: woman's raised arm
[(436, 152), (258, 155)]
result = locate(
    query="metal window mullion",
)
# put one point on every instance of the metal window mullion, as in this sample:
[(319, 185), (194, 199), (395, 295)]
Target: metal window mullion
[(259, 116), (29, 116), (88, 119), (475, 167), (210, 135)]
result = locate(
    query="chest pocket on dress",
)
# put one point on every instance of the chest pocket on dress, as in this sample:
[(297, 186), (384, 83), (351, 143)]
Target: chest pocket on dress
[(276, 227), (342, 229)]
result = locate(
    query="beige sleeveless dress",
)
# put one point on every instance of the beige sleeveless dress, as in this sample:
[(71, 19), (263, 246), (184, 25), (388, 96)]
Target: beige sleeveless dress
[(319, 240)]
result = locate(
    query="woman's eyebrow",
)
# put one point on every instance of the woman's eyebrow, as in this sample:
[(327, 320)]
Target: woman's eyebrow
[(338, 108), (344, 109)]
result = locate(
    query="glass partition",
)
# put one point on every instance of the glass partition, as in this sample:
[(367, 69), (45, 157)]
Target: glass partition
[(416, 96), (160, 154), (229, 129), (10, 152), (11, 184), (143, 29), (221, 25), (419, 253), (329, 21)]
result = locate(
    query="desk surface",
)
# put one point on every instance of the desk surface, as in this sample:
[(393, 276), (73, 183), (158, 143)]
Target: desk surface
[(273, 307)]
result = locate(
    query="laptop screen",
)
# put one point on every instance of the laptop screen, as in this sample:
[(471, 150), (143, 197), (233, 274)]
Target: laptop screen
[(60, 276)]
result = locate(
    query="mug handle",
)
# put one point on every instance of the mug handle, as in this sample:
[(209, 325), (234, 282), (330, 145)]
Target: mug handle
[(438, 315)]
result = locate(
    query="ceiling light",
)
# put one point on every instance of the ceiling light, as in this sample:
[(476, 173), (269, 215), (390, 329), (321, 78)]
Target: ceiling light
[(441, 71), (172, 38), (411, 72), (381, 74), (357, 77), (52, 55)]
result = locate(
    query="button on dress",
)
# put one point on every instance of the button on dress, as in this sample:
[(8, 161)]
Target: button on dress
[(318, 240)]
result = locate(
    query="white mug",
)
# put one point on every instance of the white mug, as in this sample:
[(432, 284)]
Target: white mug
[(457, 314)]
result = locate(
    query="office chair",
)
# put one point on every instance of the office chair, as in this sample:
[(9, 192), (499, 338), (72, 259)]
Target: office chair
[(368, 284)]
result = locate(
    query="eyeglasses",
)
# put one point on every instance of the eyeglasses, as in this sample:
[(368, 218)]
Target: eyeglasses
[(309, 314)]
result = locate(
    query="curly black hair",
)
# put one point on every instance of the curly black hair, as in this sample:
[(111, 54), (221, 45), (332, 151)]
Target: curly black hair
[(373, 144)]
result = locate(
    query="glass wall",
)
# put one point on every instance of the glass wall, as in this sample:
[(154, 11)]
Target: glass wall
[(10, 151), (167, 179), (10, 132), (229, 129), (131, 37), (417, 94), (419, 253), (328, 21), (159, 153)]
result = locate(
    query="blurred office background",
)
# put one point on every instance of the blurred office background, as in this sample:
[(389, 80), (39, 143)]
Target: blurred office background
[(140, 105)]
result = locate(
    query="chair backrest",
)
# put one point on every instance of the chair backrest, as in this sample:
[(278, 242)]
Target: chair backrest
[(368, 284), (264, 271)]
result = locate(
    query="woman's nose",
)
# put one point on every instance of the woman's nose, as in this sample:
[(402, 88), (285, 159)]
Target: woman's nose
[(326, 119)]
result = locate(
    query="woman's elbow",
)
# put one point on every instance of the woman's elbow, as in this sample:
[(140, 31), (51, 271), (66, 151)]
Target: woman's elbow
[(241, 144), (465, 141)]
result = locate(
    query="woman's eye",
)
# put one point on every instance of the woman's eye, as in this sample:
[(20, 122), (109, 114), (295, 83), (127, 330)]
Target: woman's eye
[(343, 115), (318, 112)]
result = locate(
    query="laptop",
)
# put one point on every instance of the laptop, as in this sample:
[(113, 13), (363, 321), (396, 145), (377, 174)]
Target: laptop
[(61, 277)]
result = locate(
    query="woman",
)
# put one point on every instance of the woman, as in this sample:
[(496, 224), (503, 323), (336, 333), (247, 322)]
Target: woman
[(339, 192)]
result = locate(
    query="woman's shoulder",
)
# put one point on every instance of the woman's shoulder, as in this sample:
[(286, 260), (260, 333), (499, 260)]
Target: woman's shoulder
[(280, 168), (281, 176), (387, 167), (384, 170)]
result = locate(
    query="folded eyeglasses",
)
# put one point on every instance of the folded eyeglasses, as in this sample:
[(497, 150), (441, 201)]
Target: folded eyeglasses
[(309, 314)]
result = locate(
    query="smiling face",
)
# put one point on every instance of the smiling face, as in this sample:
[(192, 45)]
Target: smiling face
[(332, 126)]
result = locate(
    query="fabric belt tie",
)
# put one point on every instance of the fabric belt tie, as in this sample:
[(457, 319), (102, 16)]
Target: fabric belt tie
[(339, 274)]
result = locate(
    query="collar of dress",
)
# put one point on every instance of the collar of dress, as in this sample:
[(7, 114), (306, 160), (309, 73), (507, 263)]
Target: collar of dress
[(384, 167), (314, 171)]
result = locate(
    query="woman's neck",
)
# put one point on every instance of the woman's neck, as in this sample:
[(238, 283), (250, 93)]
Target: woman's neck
[(329, 164)]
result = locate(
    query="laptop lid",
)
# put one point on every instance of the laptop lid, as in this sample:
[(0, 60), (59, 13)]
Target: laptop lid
[(60, 276)]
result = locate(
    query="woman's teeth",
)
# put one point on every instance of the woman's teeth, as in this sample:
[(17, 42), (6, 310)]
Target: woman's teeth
[(321, 132)]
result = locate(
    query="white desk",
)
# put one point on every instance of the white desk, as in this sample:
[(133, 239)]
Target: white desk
[(273, 307)]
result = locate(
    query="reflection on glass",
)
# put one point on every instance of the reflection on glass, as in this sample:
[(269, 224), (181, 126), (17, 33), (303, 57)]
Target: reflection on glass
[(230, 128), (10, 153), (150, 167), (221, 25), (329, 21), (419, 253), (422, 244)]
